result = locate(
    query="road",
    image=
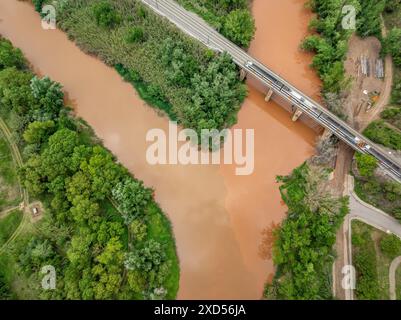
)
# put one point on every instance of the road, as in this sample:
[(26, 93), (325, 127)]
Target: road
[(360, 210), (197, 28)]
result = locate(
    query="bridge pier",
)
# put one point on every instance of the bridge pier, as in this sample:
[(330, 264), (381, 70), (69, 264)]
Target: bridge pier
[(298, 112), (269, 95), (242, 75)]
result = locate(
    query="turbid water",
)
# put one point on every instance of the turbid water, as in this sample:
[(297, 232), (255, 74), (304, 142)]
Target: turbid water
[(219, 219)]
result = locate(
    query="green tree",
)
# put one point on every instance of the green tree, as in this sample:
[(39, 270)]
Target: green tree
[(39, 131), (135, 35), (105, 14), (83, 209), (50, 97), (10, 56), (56, 158), (216, 96), (390, 245), (15, 92), (392, 5), (132, 198), (180, 65), (149, 257), (392, 45), (139, 229), (366, 163), (5, 290), (102, 171), (38, 5), (239, 26), (369, 18), (32, 175), (108, 271)]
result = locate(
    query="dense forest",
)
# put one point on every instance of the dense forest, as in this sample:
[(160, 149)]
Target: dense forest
[(102, 230), (171, 71), (303, 251)]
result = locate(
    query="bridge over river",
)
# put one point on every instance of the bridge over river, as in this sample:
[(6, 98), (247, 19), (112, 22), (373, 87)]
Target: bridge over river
[(301, 104)]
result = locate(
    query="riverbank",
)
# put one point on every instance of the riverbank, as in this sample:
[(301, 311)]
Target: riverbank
[(82, 235)]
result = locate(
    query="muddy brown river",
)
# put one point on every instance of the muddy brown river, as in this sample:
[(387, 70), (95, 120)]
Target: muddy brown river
[(219, 219)]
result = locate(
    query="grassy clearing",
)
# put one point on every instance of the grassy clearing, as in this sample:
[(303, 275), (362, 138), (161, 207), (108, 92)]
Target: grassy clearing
[(9, 184), (8, 225), (371, 263)]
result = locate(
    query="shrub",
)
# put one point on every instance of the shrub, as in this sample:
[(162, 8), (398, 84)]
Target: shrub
[(367, 164), (38, 4), (390, 245), (239, 26), (392, 45), (132, 198), (9, 56), (105, 14), (369, 19), (135, 35), (392, 5)]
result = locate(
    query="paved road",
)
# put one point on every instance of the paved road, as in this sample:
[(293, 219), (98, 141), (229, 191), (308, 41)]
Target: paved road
[(373, 216), (360, 210), (193, 25)]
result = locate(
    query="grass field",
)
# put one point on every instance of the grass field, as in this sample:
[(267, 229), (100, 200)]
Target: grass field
[(23, 287), (9, 186), (372, 265)]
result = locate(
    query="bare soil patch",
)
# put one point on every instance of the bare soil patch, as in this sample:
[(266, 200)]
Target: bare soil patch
[(367, 92)]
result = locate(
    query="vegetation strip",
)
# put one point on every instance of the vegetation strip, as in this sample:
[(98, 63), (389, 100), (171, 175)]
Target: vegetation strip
[(171, 71), (303, 251)]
